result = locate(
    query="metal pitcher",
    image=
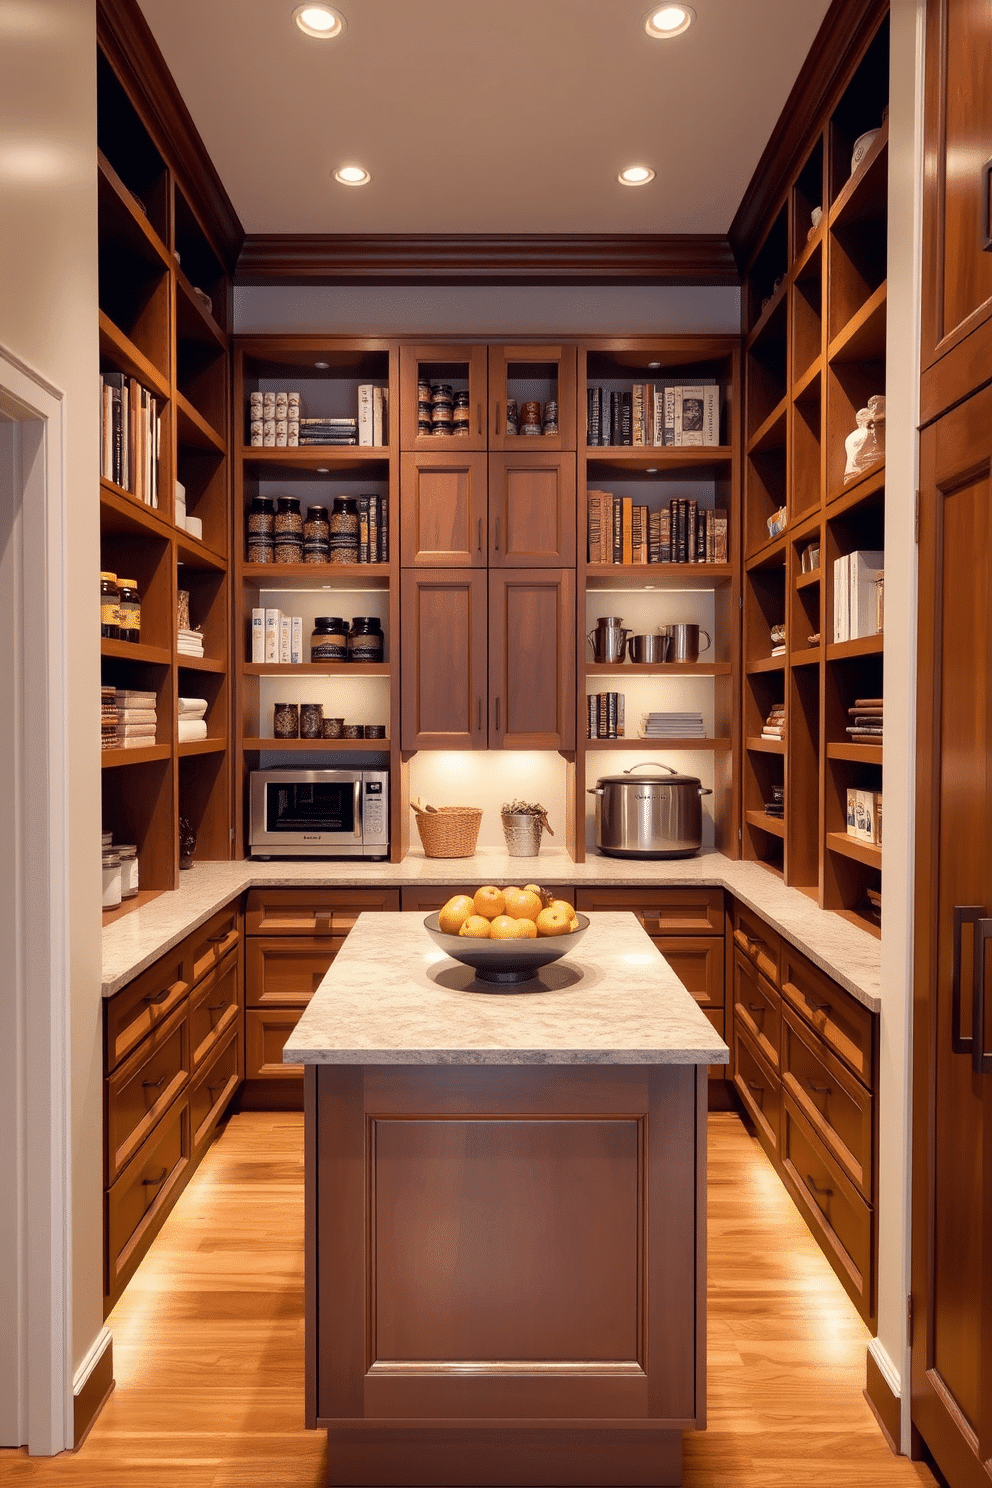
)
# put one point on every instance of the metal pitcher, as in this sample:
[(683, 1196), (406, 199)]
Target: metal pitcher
[(609, 639), (685, 642)]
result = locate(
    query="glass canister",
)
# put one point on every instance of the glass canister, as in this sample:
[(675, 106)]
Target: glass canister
[(128, 854), (311, 720), (111, 878), (261, 530), (286, 721), (344, 530), (289, 530), (329, 640), (365, 639), (110, 608), (130, 604), (316, 535)]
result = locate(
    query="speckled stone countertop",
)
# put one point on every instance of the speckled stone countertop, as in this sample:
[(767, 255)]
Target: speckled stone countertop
[(392, 997), (850, 955)]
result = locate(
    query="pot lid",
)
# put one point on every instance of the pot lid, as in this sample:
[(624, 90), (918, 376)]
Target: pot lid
[(630, 778)]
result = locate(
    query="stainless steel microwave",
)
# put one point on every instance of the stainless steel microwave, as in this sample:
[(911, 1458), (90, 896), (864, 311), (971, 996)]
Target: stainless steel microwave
[(319, 814)]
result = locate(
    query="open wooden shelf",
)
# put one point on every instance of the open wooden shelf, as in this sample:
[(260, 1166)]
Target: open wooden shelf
[(715, 745), (771, 433), (764, 746), (251, 746), (807, 580), (862, 852), (200, 664), (316, 669), (659, 669), (121, 350), (316, 575), (112, 759), (770, 824), (864, 646), (136, 651), (189, 747), (765, 664), (658, 575), (859, 754)]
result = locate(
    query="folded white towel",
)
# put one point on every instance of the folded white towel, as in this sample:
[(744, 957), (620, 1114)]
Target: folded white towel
[(140, 743), (136, 730), (127, 699), (191, 728), (136, 715), (192, 707)]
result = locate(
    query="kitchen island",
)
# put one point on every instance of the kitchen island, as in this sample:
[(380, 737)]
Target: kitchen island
[(506, 1201)]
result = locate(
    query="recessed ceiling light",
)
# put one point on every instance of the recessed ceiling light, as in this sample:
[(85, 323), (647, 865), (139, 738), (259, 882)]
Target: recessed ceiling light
[(321, 21), (352, 175), (636, 175), (322, 365), (668, 21)]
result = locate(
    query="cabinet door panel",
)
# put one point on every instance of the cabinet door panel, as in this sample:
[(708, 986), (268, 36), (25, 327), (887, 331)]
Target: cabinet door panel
[(312, 911), (531, 510), (214, 1009), (532, 659), (455, 363), (443, 518), (444, 683), (139, 1092), (286, 970), (531, 371), (266, 1033), (662, 911), (215, 1085)]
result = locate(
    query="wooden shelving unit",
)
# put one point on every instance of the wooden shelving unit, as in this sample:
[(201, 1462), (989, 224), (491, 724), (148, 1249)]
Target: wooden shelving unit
[(815, 321), (646, 595), (154, 247)]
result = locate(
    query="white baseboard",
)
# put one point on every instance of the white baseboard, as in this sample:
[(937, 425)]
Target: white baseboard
[(96, 1351)]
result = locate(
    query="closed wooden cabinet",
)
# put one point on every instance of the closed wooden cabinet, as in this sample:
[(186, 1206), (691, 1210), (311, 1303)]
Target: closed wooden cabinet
[(535, 374), (531, 509), (444, 520), (952, 1019), (444, 683), (532, 659)]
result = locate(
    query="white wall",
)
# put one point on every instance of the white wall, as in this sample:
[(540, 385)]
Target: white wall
[(891, 1349), (48, 319)]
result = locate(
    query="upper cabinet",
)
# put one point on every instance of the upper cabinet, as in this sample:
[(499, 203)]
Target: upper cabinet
[(532, 397), (443, 397)]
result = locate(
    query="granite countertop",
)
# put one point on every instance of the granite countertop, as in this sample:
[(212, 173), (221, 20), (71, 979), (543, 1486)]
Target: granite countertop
[(393, 997), (848, 954)]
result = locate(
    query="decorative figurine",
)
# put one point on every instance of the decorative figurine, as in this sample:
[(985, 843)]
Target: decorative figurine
[(187, 843), (865, 445)]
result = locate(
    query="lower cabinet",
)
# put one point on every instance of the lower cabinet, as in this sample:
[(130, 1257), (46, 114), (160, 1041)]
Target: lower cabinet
[(173, 1060), (292, 937), (805, 1072)]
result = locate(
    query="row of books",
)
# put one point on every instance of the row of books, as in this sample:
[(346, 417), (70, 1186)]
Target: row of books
[(858, 590), (605, 715), (864, 815), (774, 724), (131, 436), (665, 414), (866, 721), (683, 532), (276, 637)]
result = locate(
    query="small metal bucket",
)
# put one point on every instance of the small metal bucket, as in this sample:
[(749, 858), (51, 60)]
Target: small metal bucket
[(522, 830)]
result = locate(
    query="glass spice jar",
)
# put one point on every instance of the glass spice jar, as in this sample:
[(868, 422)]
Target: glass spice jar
[(111, 878), (329, 641), (365, 640), (261, 530), (288, 530), (316, 535), (344, 530), (286, 721), (129, 870), (110, 608), (311, 720), (130, 605)]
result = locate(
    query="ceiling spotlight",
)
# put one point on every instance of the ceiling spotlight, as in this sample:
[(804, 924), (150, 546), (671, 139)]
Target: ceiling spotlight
[(668, 21), (352, 175), (636, 175), (653, 365), (319, 20), (322, 366)]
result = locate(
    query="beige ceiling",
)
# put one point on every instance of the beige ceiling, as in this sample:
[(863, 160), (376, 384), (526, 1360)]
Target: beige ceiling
[(509, 116)]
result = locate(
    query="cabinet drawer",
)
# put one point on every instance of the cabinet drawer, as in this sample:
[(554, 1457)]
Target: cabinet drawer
[(837, 1214), (312, 911), (759, 943), (208, 945), (662, 911), (757, 1008), (430, 897), (214, 1008), (834, 1104), (697, 961), (842, 1023), (759, 1089), (142, 1088), (286, 970), (138, 1202), (142, 1005), (266, 1031), (212, 1089)]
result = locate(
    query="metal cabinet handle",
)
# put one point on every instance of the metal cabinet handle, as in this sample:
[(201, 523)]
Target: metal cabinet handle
[(153, 1084), (964, 914), (216, 939), (478, 408), (497, 535), (157, 997), (213, 1007), (981, 1061), (154, 1182), (753, 1085), (986, 207), (480, 534), (819, 1089), (497, 419), (480, 715), (826, 1193), (756, 1007), (815, 1007), (219, 1086), (497, 715)]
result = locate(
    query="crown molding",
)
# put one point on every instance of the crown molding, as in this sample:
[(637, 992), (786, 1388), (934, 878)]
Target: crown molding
[(847, 28), (126, 40), (480, 258)]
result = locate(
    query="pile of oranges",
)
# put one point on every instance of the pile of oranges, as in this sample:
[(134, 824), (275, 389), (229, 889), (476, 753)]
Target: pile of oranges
[(507, 914)]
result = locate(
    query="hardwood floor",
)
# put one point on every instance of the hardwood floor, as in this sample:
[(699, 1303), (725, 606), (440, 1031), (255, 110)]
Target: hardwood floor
[(208, 1340)]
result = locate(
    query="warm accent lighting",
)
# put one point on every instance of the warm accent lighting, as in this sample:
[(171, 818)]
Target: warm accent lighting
[(319, 21), (668, 21), (322, 366), (352, 175), (636, 175)]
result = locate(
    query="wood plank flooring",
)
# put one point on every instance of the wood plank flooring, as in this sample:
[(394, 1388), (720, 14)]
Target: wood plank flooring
[(208, 1340)]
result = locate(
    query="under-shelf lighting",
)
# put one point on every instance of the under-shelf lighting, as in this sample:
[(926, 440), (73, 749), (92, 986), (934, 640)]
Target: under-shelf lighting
[(320, 21), (653, 365), (636, 175), (322, 366), (666, 21), (352, 175)]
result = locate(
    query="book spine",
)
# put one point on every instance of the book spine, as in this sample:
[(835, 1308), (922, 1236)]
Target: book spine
[(637, 414), (720, 548), (628, 530), (665, 535), (711, 416), (654, 537), (602, 721), (272, 635), (650, 394), (383, 529), (668, 428), (658, 427), (365, 414), (852, 797), (611, 715), (257, 636), (285, 639), (677, 415), (702, 520), (296, 640), (378, 416), (592, 417), (363, 529), (374, 529), (592, 715), (691, 512), (617, 555), (605, 425), (683, 513), (621, 712)]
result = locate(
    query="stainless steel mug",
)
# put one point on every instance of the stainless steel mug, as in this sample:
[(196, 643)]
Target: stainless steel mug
[(685, 642), (609, 639)]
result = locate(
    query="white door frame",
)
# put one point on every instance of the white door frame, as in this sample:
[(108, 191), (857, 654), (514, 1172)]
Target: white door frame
[(35, 1180)]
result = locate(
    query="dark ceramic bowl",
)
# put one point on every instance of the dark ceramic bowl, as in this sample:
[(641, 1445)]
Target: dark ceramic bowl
[(506, 961)]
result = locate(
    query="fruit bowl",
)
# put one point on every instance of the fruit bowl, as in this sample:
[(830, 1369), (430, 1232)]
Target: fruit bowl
[(506, 962)]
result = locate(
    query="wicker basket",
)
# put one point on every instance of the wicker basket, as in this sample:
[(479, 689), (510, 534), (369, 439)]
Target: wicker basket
[(450, 831)]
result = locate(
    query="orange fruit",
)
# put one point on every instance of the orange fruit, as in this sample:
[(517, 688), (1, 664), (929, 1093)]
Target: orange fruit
[(553, 921), (503, 928), (564, 906), (452, 917), (526, 930), (476, 927), (489, 901), (573, 927), (522, 904)]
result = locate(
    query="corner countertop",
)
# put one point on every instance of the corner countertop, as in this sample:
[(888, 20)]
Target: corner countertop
[(392, 997), (850, 955)]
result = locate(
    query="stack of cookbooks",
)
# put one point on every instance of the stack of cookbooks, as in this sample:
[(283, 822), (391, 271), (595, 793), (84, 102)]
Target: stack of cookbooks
[(672, 726), (776, 806), (328, 431), (866, 721), (774, 725)]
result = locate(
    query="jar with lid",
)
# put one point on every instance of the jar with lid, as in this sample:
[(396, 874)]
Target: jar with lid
[(110, 608), (329, 641), (261, 530), (111, 878), (130, 604), (128, 854), (316, 535), (365, 640), (288, 530), (344, 530)]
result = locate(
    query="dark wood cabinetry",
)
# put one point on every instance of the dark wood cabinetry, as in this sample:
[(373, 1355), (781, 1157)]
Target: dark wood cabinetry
[(444, 519)]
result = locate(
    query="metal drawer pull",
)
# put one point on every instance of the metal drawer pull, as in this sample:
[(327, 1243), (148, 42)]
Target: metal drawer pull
[(153, 1084), (753, 1085), (216, 939), (480, 534), (158, 996), (964, 914), (219, 1086), (154, 1182), (986, 206), (981, 1060), (819, 1089), (815, 1007), (756, 1007), (480, 715), (497, 419), (497, 715), (497, 535), (825, 1193), (478, 407)]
